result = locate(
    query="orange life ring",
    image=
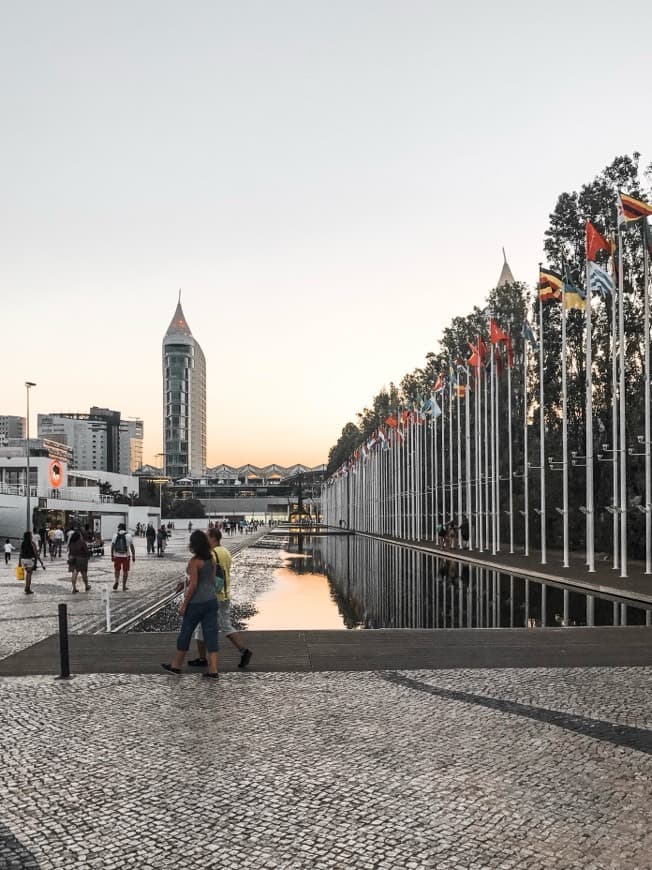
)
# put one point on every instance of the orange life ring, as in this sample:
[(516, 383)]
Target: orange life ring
[(55, 473)]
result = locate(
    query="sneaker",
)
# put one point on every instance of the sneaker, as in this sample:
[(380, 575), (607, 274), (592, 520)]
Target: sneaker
[(211, 676), (198, 663), (115, 587), (169, 668), (245, 658)]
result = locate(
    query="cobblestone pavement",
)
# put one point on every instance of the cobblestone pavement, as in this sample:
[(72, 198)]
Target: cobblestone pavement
[(26, 619), (379, 771)]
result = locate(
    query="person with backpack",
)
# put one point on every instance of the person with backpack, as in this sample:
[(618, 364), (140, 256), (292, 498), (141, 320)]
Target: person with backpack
[(121, 545), (222, 559)]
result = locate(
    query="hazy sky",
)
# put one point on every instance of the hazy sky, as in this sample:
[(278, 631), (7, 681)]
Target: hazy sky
[(328, 182)]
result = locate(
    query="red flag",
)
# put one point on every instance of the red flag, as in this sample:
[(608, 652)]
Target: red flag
[(439, 385), (499, 362), (474, 360), (510, 352), (496, 335), (483, 350), (391, 421), (595, 242)]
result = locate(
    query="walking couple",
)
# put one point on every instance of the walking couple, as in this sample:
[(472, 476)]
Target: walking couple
[(205, 605)]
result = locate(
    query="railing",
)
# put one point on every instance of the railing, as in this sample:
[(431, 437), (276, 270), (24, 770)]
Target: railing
[(17, 489)]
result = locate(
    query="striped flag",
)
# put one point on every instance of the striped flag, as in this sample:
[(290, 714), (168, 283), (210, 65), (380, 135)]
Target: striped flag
[(600, 281), (631, 209), (550, 284)]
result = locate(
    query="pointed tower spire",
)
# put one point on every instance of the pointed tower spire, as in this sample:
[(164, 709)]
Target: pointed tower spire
[(506, 276), (178, 324)]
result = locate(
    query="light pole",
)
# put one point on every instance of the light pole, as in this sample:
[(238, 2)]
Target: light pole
[(28, 526), (160, 490)]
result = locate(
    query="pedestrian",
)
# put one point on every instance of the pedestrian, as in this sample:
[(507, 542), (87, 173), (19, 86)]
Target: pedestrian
[(29, 556), (43, 535), (199, 605), (59, 538), (9, 549), (78, 560), (121, 544), (223, 560), (150, 534), (161, 541), (464, 531)]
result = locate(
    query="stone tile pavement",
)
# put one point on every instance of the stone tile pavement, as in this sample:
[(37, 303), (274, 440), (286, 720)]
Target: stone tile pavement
[(379, 771)]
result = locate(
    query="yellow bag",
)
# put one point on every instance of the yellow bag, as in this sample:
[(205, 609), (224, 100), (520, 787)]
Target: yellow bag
[(20, 573)]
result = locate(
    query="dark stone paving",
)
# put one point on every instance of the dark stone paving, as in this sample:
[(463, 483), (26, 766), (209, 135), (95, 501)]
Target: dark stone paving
[(373, 650)]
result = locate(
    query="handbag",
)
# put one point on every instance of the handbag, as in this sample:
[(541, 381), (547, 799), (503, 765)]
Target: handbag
[(20, 573)]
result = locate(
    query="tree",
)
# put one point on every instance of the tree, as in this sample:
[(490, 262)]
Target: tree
[(349, 440), (186, 508)]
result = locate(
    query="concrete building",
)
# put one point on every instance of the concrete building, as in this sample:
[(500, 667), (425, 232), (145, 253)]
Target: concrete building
[(11, 427), (184, 400), (101, 440)]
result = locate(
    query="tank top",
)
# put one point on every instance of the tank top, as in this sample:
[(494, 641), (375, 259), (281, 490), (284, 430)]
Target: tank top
[(205, 590)]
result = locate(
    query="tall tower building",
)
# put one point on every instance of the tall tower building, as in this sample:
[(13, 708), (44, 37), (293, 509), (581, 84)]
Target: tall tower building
[(184, 400)]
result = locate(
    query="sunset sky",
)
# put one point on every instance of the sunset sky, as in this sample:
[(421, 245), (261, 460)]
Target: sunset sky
[(328, 183)]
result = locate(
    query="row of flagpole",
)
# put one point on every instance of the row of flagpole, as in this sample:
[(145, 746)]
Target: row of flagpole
[(423, 478)]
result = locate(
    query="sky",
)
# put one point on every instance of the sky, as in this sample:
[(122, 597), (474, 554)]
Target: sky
[(328, 183)]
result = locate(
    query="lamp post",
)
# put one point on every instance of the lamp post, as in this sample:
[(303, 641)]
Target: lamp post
[(160, 490), (28, 526)]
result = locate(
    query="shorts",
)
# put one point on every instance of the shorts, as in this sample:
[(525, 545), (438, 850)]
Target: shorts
[(79, 563), (121, 562), (205, 613), (223, 621)]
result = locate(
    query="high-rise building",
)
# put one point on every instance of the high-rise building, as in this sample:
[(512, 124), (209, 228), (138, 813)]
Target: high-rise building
[(11, 427), (101, 440), (184, 400)]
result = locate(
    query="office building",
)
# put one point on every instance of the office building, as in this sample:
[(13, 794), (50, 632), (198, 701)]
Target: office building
[(11, 427), (184, 400)]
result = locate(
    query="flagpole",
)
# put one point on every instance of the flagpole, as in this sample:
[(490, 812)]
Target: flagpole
[(614, 427), (459, 468), (486, 462), (623, 443), (450, 446), (588, 429), (443, 457), (478, 457), (526, 485), (564, 416), (467, 433), (497, 464), (542, 436), (436, 472), (509, 440), (433, 508), (648, 463), (492, 376)]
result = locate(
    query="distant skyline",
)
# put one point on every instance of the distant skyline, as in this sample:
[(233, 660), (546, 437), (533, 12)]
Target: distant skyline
[(329, 184)]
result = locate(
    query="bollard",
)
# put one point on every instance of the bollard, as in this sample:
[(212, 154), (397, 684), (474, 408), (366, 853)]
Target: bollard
[(63, 643)]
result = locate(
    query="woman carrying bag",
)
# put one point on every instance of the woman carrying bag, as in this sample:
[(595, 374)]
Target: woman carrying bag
[(29, 556)]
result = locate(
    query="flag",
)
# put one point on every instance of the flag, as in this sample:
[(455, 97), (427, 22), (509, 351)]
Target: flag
[(474, 360), (510, 351), (528, 335), (496, 334), (391, 421), (483, 350), (550, 284), (436, 410), (600, 281), (574, 296), (441, 383), (499, 362), (631, 209), (460, 390), (595, 242)]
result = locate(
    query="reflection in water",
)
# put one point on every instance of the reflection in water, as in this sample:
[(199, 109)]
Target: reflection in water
[(299, 598), (379, 585)]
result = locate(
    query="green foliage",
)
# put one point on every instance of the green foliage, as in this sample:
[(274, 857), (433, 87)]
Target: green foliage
[(186, 508), (349, 440)]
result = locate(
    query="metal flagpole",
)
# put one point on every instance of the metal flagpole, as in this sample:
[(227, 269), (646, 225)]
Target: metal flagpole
[(433, 480), (467, 433), (509, 440), (459, 467), (614, 427), (542, 438), (564, 415), (648, 464), (497, 463), (478, 459), (623, 451), (526, 482), (436, 471), (443, 456), (588, 430), (486, 462), (492, 376), (450, 446)]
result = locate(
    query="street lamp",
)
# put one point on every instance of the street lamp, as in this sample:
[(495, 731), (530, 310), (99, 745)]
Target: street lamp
[(28, 527), (160, 490)]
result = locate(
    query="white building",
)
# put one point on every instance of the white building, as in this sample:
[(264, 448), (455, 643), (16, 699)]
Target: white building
[(101, 440), (184, 400)]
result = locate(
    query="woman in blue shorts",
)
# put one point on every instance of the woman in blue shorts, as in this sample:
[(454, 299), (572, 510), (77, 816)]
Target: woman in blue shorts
[(199, 605)]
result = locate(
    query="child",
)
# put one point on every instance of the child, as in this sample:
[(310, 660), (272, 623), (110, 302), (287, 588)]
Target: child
[(8, 551)]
